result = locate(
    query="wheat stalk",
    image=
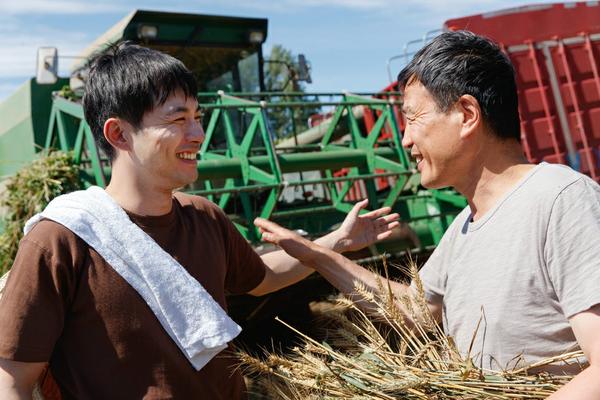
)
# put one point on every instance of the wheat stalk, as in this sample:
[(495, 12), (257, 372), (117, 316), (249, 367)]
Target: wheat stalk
[(363, 360)]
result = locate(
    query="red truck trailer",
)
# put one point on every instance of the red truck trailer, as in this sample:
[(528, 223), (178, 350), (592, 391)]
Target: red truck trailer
[(555, 49)]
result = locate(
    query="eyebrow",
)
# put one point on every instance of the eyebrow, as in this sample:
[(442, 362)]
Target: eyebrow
[(179, 109)]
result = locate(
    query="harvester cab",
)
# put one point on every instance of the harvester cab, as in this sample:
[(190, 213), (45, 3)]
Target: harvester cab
[(223, 53)]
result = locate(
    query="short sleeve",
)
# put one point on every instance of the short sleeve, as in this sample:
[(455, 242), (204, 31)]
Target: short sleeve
[(33, 305), (572, 248), (245, 268)]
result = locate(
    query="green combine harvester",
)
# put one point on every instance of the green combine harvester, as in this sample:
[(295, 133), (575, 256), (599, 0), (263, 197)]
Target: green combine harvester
[(303, 176)]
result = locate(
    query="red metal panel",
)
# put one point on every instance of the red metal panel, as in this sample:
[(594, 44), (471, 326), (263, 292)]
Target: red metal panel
[(533, 22), (535, 105), (588, 165)]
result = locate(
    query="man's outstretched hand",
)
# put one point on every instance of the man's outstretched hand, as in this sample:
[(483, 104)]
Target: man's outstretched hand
[(359, 231), (295, 245)]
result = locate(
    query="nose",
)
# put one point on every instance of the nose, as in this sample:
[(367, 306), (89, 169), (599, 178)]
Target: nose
[(196, 132), (407, 141)]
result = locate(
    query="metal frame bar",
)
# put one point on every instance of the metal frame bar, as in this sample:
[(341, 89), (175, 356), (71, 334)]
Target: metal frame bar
[(574, 98), (67, 141), (573, 156), (545, 102), (248, 169)]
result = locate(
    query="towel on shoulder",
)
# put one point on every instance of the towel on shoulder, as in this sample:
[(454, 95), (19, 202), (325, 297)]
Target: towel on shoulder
[(188, 313)]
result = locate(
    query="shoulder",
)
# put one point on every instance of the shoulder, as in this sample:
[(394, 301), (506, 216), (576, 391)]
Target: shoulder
[(580, 197), (546, 184), (556, 177), (54, 238), (560, 182), (446, 246), (52, 252)]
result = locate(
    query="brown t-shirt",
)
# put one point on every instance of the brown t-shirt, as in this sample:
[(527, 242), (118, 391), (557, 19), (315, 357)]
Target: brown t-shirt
[(64, 304)]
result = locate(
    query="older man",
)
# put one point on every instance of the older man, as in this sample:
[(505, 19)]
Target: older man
[(524, 251)]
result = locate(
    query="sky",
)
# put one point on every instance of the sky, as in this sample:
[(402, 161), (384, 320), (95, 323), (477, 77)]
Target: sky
[(348, 42)]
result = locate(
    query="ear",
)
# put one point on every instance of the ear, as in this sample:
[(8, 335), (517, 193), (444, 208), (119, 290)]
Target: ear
[(116, 132), (472, 118)]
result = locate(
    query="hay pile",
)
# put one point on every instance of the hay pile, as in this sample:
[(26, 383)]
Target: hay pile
[(28, 192), (362, 358)]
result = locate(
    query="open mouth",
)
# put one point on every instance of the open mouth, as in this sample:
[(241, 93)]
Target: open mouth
[(187, 156), (418, 159)]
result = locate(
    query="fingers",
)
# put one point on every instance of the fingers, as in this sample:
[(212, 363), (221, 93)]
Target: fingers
[(388, 218), (268, 230), (384, 231), (393, 225), (384, 235), (269, 238), (266, 225), (376, 213), (358, 206), (272, 232)]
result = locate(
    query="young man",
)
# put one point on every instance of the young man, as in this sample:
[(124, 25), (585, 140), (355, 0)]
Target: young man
[(66, 306), (524, 252)]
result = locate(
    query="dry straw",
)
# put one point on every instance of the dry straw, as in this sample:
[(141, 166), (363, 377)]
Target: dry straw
[(384, 356)]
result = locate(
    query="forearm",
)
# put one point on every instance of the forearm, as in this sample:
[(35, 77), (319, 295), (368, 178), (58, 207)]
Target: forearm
[(17, 379), (10, 389), (584, 386), (343, 274), (280, 260), (288, 269), (14, 393), (357, 231), (284, 270)]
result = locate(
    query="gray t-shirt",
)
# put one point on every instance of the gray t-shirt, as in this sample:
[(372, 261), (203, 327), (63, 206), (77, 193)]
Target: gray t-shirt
[(527, 265)]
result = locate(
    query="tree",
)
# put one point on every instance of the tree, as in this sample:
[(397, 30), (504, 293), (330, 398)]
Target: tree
[(281, 75)]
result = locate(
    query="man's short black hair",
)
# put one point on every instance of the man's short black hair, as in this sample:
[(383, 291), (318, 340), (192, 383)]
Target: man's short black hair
[(459, 63), (126, 81)]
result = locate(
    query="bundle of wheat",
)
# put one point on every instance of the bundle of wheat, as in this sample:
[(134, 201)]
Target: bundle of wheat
[(362, 358)]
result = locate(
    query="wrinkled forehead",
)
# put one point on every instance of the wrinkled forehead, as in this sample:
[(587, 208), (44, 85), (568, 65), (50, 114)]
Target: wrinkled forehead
[(416, 96)]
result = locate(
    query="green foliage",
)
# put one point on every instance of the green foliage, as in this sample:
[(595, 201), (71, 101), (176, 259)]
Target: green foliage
[(277, 72), (279, 77), (67, 93), (28, 192)]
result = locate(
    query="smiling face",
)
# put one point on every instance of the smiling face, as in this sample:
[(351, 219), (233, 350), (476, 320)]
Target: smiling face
[(433, 137), (164, 149)]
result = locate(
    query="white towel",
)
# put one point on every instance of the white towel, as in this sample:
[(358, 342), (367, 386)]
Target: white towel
[(193, 319)]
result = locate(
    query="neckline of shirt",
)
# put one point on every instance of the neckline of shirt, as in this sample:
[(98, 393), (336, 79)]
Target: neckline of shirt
[(156, 221), (475, 225)]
